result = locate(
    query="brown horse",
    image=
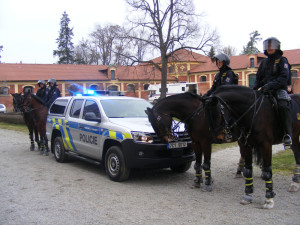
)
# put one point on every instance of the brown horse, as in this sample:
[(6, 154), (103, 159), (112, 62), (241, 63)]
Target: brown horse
[(18, 99), (39, 111), (252, 116), (188, 108)]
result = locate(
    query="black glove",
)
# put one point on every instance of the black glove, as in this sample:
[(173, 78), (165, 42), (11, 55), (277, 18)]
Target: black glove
[(265, 88)]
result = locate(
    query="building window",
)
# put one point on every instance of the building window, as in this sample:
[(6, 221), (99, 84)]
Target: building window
[(112, 88), (112, 75), (3, 90), (27, 89), (73, 89), (94, 87), (251, 62), (294, 73), (146, 86), (130, 88), (203, 79), (252, 78)]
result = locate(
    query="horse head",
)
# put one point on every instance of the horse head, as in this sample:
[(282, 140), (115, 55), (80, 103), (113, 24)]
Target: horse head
[(18, 102), (27, 102), (161, 124), (226, 108)]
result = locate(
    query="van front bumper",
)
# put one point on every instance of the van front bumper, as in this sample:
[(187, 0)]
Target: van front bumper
[(144, 155)]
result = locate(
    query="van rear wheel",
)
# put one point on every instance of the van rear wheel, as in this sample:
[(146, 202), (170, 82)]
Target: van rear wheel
[(115, 165), (59, 150)]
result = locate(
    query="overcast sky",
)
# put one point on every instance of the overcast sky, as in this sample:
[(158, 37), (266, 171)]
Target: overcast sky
[(29, 28)]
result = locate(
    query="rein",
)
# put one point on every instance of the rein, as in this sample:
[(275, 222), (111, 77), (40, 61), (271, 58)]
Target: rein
[(189, 117), (176, 126), (30, 109), (235, 123)]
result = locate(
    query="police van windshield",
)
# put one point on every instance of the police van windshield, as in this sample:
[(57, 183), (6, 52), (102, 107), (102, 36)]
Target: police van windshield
[(125, 108)]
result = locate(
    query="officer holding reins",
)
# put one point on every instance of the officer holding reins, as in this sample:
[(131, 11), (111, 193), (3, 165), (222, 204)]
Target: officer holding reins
[(225, 76), (53, 93), (273, 76)]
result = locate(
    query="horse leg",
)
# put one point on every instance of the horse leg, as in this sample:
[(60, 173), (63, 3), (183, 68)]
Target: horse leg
[(197, 166), (267, 176), (30, 130), (240, 168), (46, 151), (206, 166), (246, 152), (36, 137), (31, 140), (295, 185)]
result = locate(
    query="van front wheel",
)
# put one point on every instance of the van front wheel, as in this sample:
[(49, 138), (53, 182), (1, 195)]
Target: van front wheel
[(115, 165)]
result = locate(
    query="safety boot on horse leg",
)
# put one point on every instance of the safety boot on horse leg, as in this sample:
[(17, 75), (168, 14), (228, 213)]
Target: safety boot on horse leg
[(270, 194), (46, 148), (198, 175)]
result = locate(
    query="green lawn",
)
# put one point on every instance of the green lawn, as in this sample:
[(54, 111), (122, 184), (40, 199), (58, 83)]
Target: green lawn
[(17, 127)]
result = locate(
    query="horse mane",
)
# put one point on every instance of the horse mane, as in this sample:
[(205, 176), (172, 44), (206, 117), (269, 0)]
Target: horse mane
[(237, 89), (37, 98), (179, 96)]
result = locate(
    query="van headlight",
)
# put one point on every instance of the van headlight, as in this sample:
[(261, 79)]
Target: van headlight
[(141, 137)]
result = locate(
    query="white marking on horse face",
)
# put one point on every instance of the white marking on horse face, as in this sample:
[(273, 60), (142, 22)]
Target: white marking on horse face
[(158, 118)]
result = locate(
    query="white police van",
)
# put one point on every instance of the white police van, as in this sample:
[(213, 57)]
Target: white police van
[(113, 131)]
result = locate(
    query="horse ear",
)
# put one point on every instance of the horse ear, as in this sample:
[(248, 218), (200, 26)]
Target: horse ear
[(147, 111)]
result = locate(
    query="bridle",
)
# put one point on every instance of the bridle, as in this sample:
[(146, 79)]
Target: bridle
[(228, 125), (28, 107), (171, 134)]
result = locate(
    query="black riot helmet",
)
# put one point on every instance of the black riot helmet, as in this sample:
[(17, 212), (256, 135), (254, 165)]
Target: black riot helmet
[(52, 80), (272, 43), (223, 58), (41, 82)]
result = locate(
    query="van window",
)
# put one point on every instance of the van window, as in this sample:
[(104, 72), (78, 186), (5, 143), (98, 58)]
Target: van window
[(59, 106), (76, 108)]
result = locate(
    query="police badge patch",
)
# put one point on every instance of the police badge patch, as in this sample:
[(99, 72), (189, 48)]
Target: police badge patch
[(227, 79), (286, 66)]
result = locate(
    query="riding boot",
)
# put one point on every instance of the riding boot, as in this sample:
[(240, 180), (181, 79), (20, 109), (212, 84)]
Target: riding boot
[(286, 118)]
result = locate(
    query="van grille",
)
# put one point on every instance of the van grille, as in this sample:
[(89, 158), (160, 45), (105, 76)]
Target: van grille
[(182, 136)]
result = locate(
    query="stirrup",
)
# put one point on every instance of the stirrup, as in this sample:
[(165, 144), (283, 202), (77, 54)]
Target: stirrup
[(287, 141)]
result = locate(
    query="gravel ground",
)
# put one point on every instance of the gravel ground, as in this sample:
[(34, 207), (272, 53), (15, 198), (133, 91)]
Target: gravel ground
[(35, 189)]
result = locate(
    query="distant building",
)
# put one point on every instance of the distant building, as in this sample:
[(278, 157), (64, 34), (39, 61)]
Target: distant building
[(184, 66)]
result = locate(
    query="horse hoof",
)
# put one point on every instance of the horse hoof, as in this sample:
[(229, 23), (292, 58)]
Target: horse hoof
[(269, 204), (247, 199), (208, 188), (238, 175), (46, 153), (32, 148), (294, 187), (195, 185)]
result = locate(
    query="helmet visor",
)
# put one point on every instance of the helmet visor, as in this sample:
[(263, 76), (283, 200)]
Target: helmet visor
[(271, 44)]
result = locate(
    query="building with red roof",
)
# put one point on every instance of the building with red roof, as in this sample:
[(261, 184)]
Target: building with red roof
[(183, 66)]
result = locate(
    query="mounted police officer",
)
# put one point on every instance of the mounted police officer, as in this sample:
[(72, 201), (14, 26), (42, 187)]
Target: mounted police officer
[(273, 76), (53, 93), (42, 92), (225, 76)]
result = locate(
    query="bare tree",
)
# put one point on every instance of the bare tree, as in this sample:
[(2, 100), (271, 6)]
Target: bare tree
[(167, 26), (229, 50)]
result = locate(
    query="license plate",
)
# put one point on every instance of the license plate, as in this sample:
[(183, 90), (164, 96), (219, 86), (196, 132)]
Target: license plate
[(177, 145)]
